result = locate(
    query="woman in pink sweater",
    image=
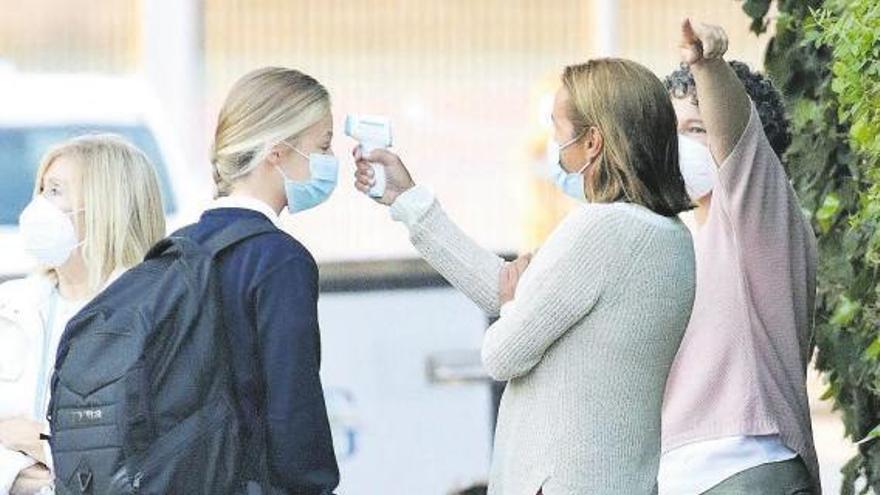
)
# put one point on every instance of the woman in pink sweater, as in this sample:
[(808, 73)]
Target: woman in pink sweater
[(735, 415)]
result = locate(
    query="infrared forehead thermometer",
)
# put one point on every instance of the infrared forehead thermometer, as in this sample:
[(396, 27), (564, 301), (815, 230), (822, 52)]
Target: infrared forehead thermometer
[(372, 132)]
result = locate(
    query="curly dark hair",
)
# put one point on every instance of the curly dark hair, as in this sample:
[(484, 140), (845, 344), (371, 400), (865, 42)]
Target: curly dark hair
[(760, 89)]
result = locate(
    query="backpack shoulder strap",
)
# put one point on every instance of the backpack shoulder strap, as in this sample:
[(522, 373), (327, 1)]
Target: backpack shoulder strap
[(237, 232), (227, 237), (172, 241)]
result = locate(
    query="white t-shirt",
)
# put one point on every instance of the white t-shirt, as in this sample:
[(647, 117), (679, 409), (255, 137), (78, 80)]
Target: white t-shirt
[(696, 467), (55, 314)]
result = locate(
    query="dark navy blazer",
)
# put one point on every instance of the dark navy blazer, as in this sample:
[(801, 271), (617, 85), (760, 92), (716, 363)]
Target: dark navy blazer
[(270, 297)]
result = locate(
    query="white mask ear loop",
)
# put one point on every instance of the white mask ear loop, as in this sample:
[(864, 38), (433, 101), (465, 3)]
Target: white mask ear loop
[(71, 213), (586, 166), (285, 143), (278, 169), (570, 141), (292, 147)]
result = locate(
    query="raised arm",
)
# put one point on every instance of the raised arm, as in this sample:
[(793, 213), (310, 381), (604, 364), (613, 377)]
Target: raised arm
[(724, 105)]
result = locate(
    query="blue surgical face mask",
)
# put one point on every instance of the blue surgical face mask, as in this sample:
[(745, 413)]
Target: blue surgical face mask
[(302, 195), (571, 183)]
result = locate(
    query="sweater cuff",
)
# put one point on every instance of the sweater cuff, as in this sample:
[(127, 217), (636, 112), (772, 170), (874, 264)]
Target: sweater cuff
[(412, 205)]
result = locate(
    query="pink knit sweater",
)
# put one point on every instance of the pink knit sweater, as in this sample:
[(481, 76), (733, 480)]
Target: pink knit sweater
[(741, 368)]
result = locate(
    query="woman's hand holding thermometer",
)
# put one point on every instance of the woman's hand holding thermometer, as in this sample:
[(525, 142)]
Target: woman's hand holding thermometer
[(372, 132), (395, 178)]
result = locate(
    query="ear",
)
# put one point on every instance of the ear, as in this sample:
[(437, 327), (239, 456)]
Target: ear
[(276, 155), (593, 143)]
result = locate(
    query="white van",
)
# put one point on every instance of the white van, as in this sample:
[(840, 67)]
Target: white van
[(411, 408), (38, 110)]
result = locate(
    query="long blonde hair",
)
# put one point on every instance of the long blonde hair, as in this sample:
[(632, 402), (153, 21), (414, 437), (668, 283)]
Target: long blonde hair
[(263, 108), (121, 201), (629, 105)]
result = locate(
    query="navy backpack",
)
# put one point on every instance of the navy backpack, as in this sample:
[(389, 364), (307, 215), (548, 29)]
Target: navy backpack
[(143, 393)]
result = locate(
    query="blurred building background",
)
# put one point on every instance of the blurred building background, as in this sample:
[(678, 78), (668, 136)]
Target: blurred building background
[(468, 84)]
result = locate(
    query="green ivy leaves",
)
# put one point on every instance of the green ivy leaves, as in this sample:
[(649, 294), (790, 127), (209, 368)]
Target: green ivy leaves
[(826, 214), (825, 58), (846, 312)]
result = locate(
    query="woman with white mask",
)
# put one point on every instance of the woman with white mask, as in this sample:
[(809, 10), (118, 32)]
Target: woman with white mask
[(589, 329), (272, 151), (736, 418), (96, 211)]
